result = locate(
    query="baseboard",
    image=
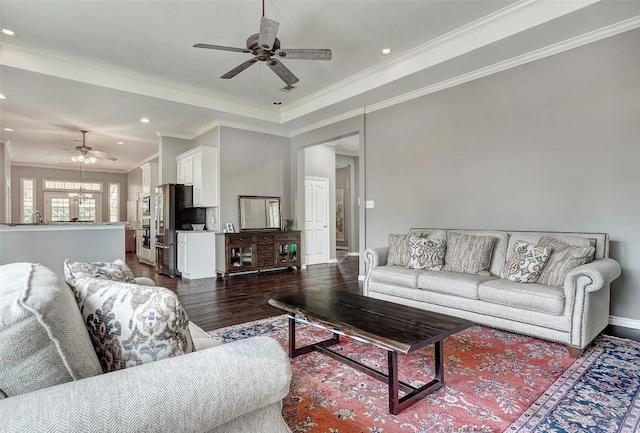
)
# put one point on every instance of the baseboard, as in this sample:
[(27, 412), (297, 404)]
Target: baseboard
[(353, 253), (303, 267), (624, 322), (360, 277), (333, 261)]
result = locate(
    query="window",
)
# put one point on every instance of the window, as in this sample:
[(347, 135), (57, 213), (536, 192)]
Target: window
[(72, 185), (59, 207), (114, 202), (28, 199)]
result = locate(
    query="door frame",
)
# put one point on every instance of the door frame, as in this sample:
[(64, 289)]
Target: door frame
[(327, 215)]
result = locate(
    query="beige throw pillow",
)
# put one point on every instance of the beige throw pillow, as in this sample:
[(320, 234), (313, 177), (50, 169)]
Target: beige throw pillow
[(468, 254), (399, 248), (525, 263), (426, 253), (564, 257), (131, 325)]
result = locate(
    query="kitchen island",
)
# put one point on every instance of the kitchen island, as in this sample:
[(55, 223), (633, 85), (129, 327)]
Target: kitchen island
[(51, 244)]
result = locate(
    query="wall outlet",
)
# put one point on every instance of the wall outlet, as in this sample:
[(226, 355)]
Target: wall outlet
[(369, 204)]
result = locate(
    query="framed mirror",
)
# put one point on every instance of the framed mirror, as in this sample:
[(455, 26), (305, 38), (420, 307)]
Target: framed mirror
[(259, 212)]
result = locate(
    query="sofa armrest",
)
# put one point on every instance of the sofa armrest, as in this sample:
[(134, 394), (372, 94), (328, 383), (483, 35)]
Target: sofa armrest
[(587, 291), (373, 257), (597, 274), (194, 392)]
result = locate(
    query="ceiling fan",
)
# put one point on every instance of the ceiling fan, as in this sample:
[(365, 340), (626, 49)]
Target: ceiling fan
[(86, 154), (265, 47)]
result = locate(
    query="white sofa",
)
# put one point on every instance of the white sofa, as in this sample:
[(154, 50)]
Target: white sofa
[(573, 314), (51, 380)]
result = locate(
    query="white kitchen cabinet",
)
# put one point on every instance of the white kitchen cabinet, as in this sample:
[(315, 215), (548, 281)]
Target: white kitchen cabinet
[(199, 167), (196, 254)]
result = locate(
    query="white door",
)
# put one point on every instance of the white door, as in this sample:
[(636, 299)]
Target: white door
[(316, 224)]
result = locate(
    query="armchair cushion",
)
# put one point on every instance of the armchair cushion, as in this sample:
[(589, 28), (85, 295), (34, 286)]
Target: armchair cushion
[(43, 341), (131, 325)]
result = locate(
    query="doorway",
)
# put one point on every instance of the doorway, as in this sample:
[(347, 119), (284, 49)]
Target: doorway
[(316, 215)]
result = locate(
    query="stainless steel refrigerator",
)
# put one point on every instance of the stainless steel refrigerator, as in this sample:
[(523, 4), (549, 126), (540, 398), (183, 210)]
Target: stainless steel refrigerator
[(174, 211)]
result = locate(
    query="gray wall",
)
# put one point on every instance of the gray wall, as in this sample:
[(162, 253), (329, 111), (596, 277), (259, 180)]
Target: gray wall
[(37, 173), (252, 163), (134, 184), (551, 145), (5, 178), (167, 165)]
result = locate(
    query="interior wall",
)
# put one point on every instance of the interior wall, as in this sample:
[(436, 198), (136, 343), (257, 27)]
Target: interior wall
[(134, 184), (5, 177), (39, 174), (252, 163), (343, 182), (551, 145), (171, 147)]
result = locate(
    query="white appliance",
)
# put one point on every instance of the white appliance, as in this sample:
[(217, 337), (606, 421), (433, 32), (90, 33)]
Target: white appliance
[(196, 254)]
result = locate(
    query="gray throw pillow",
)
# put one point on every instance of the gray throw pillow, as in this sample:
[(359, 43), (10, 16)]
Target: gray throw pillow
[(564, 257), (426, 253), (468, 254), (399, 248)]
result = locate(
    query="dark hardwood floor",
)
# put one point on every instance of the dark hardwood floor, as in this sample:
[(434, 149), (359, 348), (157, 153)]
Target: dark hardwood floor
[(214, 303)]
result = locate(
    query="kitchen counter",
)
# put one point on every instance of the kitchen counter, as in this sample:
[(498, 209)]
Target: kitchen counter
[(51, 244)]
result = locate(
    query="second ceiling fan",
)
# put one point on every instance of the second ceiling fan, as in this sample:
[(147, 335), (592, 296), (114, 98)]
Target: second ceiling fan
[(265, 47)]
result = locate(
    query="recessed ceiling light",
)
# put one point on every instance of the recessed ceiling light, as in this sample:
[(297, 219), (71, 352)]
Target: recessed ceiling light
[(2, 96), (277, 103), (385, 51), (120, 142), (145, 120), (8, 32), (7, 129)]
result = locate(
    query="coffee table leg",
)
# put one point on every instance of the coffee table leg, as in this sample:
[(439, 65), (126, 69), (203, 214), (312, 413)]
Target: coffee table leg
[(392, 363), (438, 356), (292, 336)]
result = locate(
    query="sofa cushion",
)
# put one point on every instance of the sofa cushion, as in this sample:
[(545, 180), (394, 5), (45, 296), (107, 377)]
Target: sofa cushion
[(468, 253), (43, 340), (564, 257), (426, 253), (452, 283), (396, 275), (533, 296), (131, 325), (116, 271), (525, 263)]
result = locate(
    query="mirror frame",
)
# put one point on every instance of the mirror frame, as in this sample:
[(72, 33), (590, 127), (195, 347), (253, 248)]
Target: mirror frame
[(259, 197)]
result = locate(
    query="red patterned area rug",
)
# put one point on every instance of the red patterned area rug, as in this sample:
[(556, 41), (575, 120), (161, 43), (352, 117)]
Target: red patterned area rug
[(495, 381)]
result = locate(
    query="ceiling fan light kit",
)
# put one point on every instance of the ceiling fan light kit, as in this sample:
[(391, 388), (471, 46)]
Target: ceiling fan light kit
[(265, 47)]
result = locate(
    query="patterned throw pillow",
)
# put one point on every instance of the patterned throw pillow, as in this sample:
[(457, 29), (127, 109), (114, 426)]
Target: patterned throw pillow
[(468, 254), (115, 271), (526, 262), (564, 257), (131, 325), (399, 248), (426, 253)]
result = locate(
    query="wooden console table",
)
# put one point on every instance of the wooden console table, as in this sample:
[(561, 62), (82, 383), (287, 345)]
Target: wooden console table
[(255, 251)]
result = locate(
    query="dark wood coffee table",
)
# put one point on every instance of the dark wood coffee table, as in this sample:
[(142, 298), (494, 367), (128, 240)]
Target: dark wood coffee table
[(394, 327)]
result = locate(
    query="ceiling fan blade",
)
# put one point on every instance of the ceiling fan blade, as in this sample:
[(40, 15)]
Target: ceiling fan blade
[(235, 71), (281, 71), (221, 48), (304, 54), (102, 155), (268, 32)]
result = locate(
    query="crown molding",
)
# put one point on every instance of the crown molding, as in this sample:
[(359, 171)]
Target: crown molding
[(578, 41), (327, 122), (240, 125), (73, 68), (62, 166), (501, 24), (532, 56)]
